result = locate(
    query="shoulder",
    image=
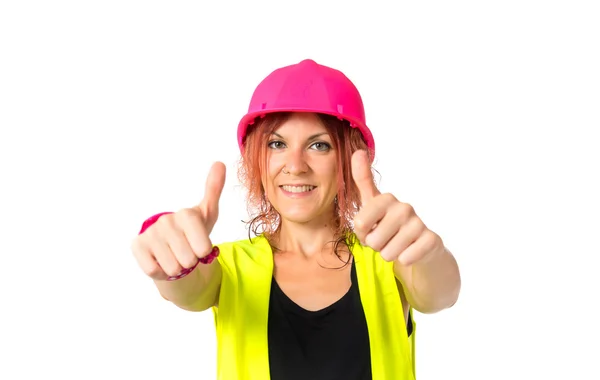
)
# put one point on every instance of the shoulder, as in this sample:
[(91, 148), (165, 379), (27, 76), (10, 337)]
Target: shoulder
[(247, 246), (256, 250)]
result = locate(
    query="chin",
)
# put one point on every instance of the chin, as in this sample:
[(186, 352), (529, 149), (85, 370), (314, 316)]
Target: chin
[(301, 216), (297, 217)]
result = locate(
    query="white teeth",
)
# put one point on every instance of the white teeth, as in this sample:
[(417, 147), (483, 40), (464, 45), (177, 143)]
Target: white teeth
[(297, 189)]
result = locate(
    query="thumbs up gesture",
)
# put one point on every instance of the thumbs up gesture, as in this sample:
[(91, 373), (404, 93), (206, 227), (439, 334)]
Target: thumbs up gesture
[(387, 225), (175, 244)]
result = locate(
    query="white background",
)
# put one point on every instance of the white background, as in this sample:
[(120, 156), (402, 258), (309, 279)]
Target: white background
[(485, 116)]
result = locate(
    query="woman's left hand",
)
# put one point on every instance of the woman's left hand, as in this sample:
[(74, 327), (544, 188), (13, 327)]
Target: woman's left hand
[(387, 225)]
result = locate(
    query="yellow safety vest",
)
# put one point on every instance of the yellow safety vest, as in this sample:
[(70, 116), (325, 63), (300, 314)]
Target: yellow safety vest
[(241, 317)]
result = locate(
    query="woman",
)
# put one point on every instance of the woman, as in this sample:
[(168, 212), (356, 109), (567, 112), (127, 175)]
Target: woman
[(326, 286)]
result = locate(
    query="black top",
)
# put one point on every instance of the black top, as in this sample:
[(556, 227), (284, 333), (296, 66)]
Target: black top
[(329, 344)]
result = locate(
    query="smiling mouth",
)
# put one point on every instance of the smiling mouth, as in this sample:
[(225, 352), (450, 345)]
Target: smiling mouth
[(298, 189)]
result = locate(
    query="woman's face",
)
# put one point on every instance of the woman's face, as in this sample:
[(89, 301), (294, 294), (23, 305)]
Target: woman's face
[(301, 175)]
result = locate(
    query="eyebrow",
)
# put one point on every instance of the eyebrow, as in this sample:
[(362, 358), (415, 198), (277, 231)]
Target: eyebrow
[(310, 138)]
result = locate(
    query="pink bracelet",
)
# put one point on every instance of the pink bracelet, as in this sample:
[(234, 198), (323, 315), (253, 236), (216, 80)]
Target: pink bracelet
[(151, 220), (205, 260)]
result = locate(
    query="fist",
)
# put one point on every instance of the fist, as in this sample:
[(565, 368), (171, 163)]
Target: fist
[(387, 225), (177, 241)]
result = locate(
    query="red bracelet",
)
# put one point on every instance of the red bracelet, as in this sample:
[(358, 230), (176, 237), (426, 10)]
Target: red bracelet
[(205, 260)]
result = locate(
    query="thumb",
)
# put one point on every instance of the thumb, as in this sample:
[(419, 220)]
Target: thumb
[(213, 190), (363, 177)]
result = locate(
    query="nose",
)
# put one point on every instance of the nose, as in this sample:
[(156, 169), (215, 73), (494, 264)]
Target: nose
[(296, 162)]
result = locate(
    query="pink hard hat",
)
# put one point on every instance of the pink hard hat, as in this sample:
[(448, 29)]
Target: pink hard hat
[(307, 87)]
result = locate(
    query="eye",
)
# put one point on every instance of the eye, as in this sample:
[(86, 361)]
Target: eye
[(276, 144), (321, 146)]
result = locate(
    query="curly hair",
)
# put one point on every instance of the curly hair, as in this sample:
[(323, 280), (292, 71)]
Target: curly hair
[(264, 219)]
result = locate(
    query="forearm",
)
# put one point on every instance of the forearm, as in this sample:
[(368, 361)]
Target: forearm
[(197, 291), (432, 284)]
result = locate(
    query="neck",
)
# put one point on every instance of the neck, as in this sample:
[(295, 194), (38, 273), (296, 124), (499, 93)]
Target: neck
[(307, 239)]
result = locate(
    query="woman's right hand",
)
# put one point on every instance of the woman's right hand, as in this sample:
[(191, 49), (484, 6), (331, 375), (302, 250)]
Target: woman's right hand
[(177, 241)]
